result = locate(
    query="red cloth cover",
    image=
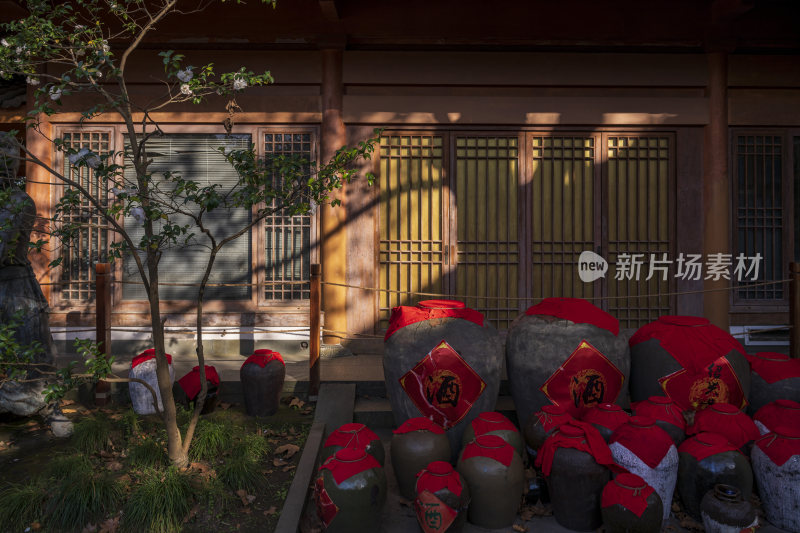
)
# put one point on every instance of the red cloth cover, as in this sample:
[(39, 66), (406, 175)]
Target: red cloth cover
[(576, 310), (433, 515), (439, 475), (781, 444), (326, 509), (693, 341), (490, 446), (772, 366), (728, 421), (348, 462), (705, 445), (492, 421), (419, 423), (608, 415), (443, 386), (262, 357), (644, 438), (146, 356), (629, 491), (661, 408), (779, 413), (578, 435), (587, 378), (697, 390), (190, 383), (552, 416), (353, 435), (403, 315)]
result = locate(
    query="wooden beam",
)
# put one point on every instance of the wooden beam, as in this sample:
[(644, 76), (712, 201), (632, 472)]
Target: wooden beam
[(329, 10)]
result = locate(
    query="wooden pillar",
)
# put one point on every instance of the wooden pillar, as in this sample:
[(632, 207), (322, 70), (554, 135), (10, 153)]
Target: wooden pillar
[(716, 187), (313, 333), (332, 219), (39, 188), (794, 310)]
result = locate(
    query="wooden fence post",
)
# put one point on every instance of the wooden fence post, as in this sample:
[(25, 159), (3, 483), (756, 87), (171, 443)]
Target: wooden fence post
[(314, 311), (102, 325), (794, 310)]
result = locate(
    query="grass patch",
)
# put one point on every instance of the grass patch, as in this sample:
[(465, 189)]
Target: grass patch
[(148, 454), (159, 503), (241, 472), (251, 446), (21, 505), (210, 440), (63, 466), (80, 498), (92, 434), (131, 423)]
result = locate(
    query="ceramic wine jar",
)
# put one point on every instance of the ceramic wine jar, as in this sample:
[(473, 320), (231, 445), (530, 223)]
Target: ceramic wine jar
[(666, 413), (776, 464), (774, 376), (630, 505), (725, 511), (262, 375), (495, 476), (708, 459), (727, 420), (353, 435), (442, 499), (143, 367), (494, 423), (350, 492), (565, 351), (695, 362), (443, 361), (188, 387), (776, 414), (606, 418), (644, 449), (415, 444), (541, 424)]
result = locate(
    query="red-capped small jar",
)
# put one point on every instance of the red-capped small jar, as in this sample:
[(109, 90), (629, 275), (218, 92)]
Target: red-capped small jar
[(630, 505), (262, 376), (727, 420), (776, 464), (494, 423), (777, 413), (774, 376), (606, 418), (442, 499), (541, 424), (415, 444), (353, 435), (667, 414)]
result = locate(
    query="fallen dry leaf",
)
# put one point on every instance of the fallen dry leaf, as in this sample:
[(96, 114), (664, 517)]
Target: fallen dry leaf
[(224, 406), (278, 462), (521, 529), (297, 402), (247, 510), (271, 511), (242, 494), (36, 526), (110, 525), (251, 498), (67, 402), (287, 468), (288, 449), (306, 411), (114, 466), (526, 514)]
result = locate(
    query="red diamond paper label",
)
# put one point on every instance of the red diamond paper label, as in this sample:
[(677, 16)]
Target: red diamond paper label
[(443, 386), (433, 514), (716, 383), (586, 379), (326, 509)]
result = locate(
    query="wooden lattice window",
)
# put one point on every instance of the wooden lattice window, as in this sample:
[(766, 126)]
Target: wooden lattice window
[(287, 240), (90, 246)]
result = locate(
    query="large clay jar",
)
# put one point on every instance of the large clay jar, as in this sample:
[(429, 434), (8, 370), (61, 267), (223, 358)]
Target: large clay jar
[(495, 476), (693, 361), (777, 413), (541, 424), (708, 459), (415, 444), (442, 499), (574, 461), (606, 418), (666, 413), (776, 463), (727, 420), (188, 387), (644, 449), (725, 511), (443, 361), (262, 376), (566, 351), (494, 423), (350, 492), (630, 505), (143, 367), (353, 435), (774, 376)]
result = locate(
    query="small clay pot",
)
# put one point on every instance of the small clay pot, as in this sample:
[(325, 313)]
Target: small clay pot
[(353, 435), (776, 414), (766, 388), (494, 423), (776, 464), (727, 420), (541, 424), (725, 511), (618, 496), (606, 418), (262, 376), (416, 444), (667, 414), (443, 482)]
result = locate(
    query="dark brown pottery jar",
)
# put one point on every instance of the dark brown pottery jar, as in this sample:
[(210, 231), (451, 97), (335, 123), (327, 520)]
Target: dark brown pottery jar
[(443, 361), (494, 423), (776, 463), (187, 389), (776, 414), (353, 435), (629, 505), (416, 444), (727, 420), (350, 492), (725, 511), (606, 418), (706, 460), (541, 424), (442, 499), (666, 413), (495, 476), (774, 376), (262, 375)]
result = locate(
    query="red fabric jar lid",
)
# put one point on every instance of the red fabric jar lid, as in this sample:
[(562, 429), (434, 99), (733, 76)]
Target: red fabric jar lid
[(190, 383), (771, 356), (629, 491), (552, 416), (146, 356), (773, 367), (661, 408), (576, 310), (705, 445), (419, 423), (686, 321), (490, 446), (442, 304), (348, 462), (726, 420), (641, 421), (262, 357), (608, 415), (437, 476), (778, 413), (645, 439), (491, 421), (403, 315), (580, 436), (440, 468), (352, 435), (781, 444)]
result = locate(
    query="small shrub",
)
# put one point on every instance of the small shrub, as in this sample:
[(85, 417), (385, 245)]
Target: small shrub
[(20, 505), (131, 423), (159, 503), (213, 495), (241, 472), (80, 498), (63, 466), (148, 454), (252, 446), (210, 439), (92, 434)]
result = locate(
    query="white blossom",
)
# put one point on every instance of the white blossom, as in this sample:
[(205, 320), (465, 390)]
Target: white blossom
[(239, 84), (185, 89), (91, 159), (32, 81), (106, 48), (55, 93), (79, 27), (138, 213), (80, 154), (4, 42), (117, 192), (98, 74), (185, 75)]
